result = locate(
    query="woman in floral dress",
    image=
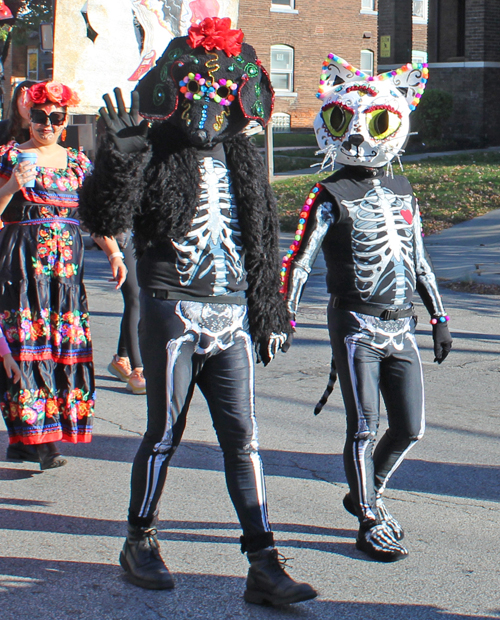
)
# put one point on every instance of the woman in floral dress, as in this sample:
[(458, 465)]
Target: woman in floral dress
[(43, 304)]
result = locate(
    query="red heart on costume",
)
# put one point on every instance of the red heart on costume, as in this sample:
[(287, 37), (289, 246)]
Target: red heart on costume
[(407, 215)]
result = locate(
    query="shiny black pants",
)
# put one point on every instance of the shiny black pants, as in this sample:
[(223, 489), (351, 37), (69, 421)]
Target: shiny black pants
[(184, 344), (369, 362)]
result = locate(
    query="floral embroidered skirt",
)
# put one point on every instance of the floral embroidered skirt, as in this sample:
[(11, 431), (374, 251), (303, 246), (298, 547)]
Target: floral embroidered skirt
[(45, 319)]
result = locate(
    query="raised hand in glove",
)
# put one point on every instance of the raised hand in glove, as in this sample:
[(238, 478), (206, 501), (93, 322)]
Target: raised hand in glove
[(267, 349), (124, 128), (442, 341)]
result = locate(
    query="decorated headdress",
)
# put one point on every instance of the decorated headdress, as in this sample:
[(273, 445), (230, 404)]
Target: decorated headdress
[(364, 120), (52, 92), (209, 76)]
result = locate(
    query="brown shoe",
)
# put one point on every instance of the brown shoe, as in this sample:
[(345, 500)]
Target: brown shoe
[(136, 382)]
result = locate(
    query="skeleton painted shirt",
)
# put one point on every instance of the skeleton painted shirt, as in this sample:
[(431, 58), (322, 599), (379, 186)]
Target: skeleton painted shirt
[(208, 261), (368, 226)]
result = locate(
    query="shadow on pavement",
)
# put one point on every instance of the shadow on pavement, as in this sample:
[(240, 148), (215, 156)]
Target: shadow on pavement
[(17, 474), (92, 591), (25, 520), (480, 482)]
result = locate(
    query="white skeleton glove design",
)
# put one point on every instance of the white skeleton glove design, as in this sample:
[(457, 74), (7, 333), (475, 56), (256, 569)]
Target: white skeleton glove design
[(267, 350)]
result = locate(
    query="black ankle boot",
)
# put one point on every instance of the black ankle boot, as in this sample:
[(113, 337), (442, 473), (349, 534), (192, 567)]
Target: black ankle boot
[(269, 583), (22, 452), (49, 456), (141, 560)]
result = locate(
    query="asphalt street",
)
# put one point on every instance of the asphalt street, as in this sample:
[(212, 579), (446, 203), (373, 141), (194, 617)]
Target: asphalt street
[(61, 531)]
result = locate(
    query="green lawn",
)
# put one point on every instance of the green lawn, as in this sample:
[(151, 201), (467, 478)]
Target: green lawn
[(449, 189)]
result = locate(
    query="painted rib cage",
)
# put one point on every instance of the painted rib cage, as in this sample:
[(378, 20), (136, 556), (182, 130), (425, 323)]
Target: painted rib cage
[(214, 241), (382, 244)]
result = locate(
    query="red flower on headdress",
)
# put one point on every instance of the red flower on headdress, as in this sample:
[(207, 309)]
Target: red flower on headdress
[(54, 92), (37, 94), (215, 33)]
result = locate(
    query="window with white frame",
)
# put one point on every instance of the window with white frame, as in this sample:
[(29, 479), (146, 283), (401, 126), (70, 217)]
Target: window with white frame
[(366, 62), (282, 68), (368, 6), (418, 56), (290, 4), (419, 11), (281, 122)]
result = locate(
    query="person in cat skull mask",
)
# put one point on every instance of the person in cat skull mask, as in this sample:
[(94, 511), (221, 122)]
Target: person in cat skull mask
[(367, 222), (195, 192)]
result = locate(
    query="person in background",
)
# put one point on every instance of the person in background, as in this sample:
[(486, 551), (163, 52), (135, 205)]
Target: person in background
[(43, 304), (126, 364), (16, 126)]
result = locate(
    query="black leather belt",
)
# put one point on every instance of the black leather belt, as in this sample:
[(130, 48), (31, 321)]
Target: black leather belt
[(386, 313), (163, 294)]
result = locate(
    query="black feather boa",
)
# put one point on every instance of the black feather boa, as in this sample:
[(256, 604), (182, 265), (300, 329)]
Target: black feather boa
[(156, 192)]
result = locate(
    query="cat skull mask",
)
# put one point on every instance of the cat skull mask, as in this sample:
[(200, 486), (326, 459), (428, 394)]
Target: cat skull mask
[(364, 120)]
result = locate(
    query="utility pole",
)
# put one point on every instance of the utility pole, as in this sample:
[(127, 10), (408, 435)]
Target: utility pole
[(269, 150)]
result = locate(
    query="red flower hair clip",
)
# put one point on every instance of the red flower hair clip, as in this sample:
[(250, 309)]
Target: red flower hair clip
[(215, 33), (54, 92)]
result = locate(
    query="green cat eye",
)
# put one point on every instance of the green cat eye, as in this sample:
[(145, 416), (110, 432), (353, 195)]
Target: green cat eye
[(382, 123), (337, 119)]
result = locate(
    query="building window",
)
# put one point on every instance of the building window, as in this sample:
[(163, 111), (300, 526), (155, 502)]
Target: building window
[(283, 6), (367, 5), (32, 72), (282, 68), (418, 56), (419, 11), (366, 63), (281, 122)]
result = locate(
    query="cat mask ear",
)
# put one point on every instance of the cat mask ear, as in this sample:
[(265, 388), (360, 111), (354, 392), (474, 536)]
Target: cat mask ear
[(337, 71), (410, 79)]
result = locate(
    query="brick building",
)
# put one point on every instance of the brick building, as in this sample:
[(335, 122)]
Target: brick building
[(464, 59), (292, 38)]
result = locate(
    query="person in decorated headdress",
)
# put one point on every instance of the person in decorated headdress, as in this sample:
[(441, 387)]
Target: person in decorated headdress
[(17, 125), (43, 305), (194, 190), (367, 222)]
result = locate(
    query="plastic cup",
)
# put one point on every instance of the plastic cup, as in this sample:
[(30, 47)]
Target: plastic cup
[(31, 158)]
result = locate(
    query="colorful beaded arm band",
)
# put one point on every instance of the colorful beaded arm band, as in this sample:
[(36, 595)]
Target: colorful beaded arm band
[(297, 240), (439, 319)]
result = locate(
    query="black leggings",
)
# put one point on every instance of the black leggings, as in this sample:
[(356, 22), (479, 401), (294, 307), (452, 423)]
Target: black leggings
[(128, 344), (184, 344), (364, 371)]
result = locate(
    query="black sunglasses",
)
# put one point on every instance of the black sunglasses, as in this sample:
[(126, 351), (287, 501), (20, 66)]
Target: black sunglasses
[(54, 118)]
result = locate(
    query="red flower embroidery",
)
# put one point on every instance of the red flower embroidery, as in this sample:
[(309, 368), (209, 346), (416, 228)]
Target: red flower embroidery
[(215, 33)]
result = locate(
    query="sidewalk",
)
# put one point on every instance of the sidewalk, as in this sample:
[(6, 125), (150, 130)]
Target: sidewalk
[(469, 251)]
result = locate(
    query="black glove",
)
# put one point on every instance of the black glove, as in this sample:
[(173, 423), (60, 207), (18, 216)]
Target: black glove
[(123, 127), (267, 349), (442, 341)]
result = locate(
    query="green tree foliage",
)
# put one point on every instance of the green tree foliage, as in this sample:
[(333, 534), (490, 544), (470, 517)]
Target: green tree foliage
[(30, 16), (432, 113)]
